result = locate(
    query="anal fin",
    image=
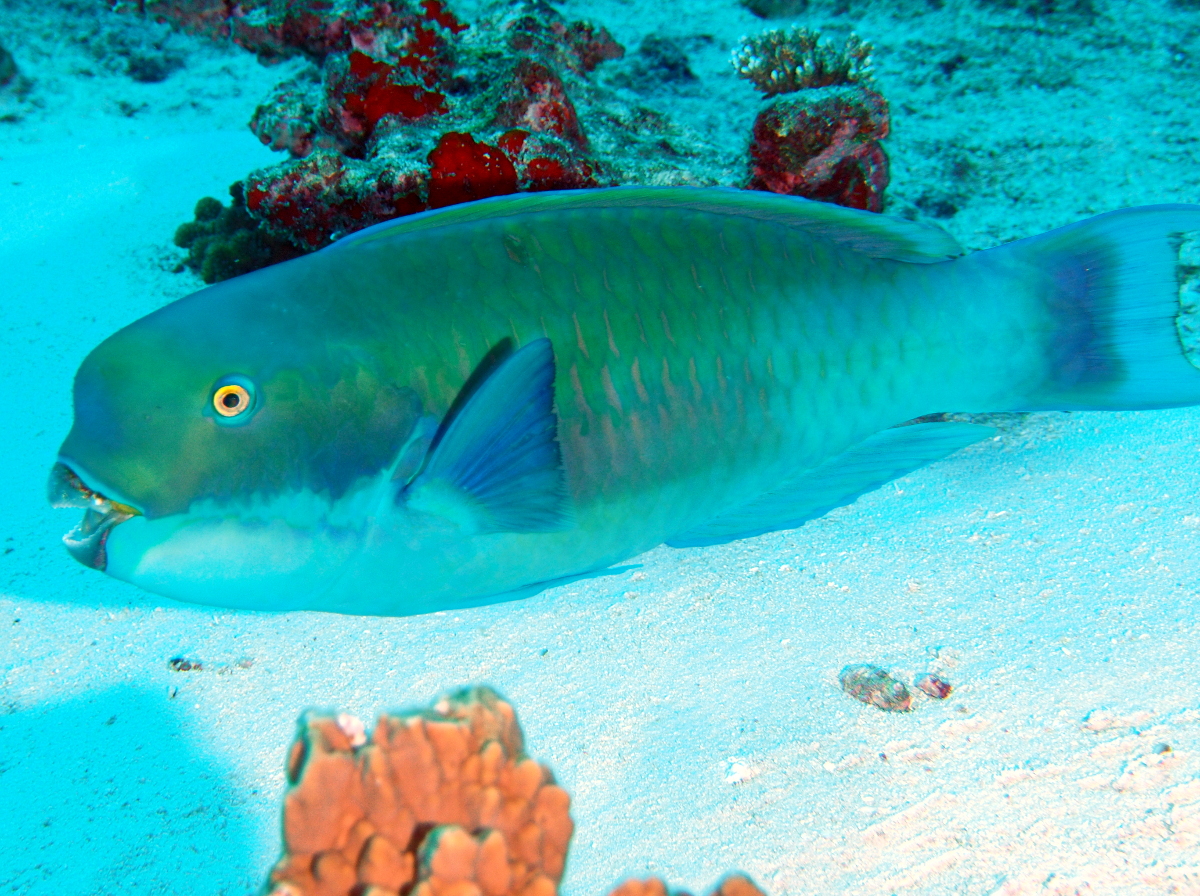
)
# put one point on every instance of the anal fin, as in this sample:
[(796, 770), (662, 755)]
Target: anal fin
[(838, 481)]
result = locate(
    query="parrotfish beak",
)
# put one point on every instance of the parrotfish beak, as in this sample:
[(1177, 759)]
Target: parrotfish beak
[(86, 542)]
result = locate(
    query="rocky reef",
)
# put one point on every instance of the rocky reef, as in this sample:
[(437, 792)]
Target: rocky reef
[(406, 107), (819, 135), (441, 802)]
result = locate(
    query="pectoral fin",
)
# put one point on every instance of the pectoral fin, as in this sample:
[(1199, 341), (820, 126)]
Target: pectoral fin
[(837, 482), (495, 464)]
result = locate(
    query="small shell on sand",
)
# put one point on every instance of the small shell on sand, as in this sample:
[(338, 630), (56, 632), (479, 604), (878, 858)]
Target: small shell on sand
[(872, 685), (933, 685)]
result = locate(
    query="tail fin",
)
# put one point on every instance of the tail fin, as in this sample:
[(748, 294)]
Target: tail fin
[(1123, 290)]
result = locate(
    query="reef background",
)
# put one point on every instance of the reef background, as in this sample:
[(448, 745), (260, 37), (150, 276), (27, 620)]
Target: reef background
[(1052, 574)]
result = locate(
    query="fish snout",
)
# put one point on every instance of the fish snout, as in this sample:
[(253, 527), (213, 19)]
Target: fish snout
[(86, 542)]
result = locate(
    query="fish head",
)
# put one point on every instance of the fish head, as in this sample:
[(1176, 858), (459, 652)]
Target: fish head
[(224, 447)]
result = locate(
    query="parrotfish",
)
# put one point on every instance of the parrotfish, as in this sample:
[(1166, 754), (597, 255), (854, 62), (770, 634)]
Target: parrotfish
[(475, 403)]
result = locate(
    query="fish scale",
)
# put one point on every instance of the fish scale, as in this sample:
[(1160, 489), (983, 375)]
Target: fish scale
[(473, 403), (660, 293)]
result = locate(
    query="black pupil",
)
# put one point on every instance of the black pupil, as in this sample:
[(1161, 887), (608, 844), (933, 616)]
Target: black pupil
[(231, 400)]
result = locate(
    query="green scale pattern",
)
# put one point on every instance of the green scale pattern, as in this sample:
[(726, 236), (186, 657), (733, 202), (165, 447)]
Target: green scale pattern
[(701, 357)]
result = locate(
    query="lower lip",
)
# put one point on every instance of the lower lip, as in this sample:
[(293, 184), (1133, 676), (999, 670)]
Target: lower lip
[(87, 541)]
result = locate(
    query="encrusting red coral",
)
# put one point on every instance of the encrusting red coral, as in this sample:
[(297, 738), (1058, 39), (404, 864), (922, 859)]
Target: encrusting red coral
[(285, 196), (440, 803)]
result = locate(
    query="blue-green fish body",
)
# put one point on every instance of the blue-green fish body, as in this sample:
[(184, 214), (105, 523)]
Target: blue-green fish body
[(472, 403)]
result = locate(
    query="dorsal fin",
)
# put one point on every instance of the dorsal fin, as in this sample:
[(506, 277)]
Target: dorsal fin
[(878, 236)]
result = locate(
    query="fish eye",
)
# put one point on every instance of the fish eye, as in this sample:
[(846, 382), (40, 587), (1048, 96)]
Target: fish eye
[(229, 401), (233, 400)]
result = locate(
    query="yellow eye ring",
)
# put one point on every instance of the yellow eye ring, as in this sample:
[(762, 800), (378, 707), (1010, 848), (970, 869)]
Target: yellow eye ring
[(231, 400)]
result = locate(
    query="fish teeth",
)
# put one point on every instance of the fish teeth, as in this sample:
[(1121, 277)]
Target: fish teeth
[(66, 490)]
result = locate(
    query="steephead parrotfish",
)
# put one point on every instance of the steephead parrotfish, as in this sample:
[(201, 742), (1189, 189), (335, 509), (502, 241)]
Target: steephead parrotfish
[(472, 403)]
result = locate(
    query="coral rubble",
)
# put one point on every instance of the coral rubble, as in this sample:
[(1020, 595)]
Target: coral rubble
[(875, 687), (433, 803), (933, 685), (819, 136)]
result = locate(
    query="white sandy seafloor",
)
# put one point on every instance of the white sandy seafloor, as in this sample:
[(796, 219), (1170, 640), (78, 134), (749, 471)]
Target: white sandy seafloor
[(1052, 574)]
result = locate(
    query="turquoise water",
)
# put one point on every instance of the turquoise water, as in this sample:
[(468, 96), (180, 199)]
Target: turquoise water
[(690, 706)]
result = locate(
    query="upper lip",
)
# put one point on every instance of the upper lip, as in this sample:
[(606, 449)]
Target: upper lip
[(87, 541)]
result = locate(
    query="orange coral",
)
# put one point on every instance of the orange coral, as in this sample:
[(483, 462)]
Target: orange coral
[(437, 803), (733, 885)]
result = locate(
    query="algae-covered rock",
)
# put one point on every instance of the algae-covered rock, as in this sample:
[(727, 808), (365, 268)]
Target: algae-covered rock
[(8, 67), (823, 144), (224, 241)]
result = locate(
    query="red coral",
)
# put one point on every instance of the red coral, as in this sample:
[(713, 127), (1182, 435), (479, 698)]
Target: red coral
[(536, 99), (544, 162), (207, 17), (286, 121), (436, 11), (276, 29), (463, 170), (823, 144), (360, 91), (379, 94), (426, 55), (276, 34), (546, 174), (317, 199)]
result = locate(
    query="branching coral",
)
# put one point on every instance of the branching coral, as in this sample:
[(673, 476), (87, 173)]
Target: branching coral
[(436, 803), (784, 61)]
